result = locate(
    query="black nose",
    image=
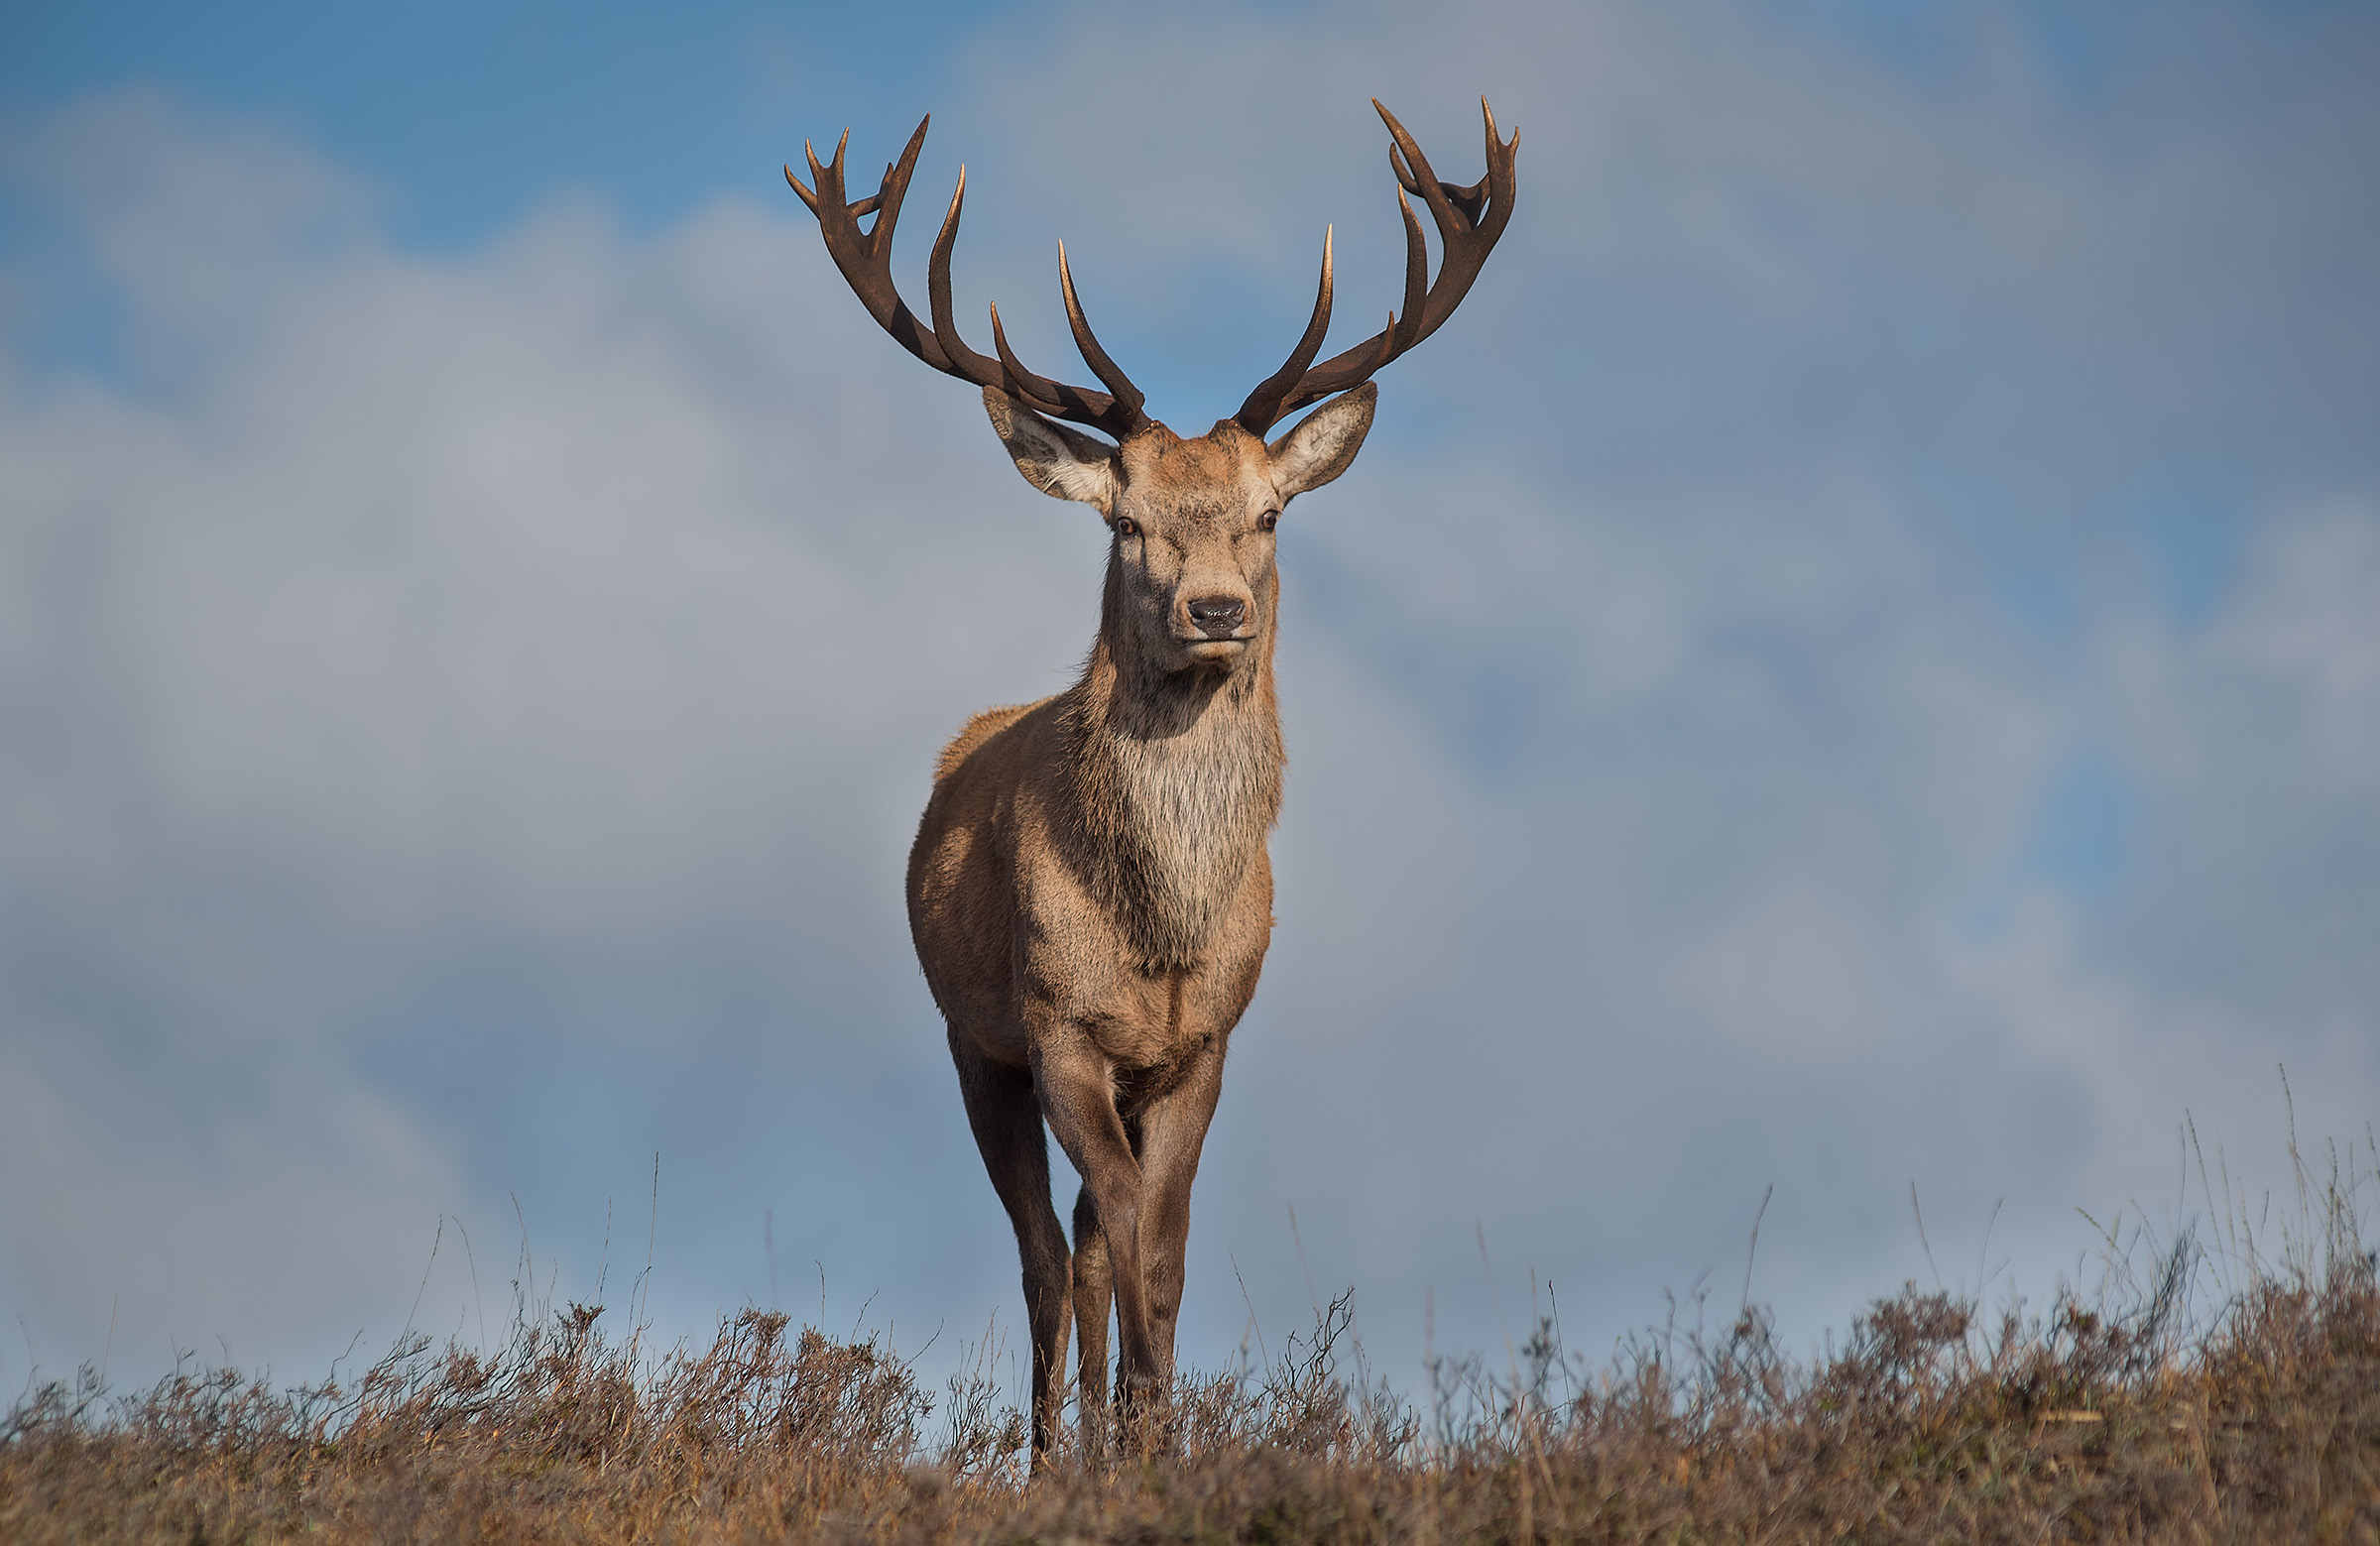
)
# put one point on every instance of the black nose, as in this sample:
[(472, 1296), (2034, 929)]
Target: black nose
[(1217, 617)]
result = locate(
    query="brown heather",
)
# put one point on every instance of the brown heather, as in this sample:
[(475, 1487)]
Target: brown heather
[(2136, 1415)]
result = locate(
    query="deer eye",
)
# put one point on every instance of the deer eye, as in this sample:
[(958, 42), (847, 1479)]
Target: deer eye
[(1125, 525), (1267, 521)]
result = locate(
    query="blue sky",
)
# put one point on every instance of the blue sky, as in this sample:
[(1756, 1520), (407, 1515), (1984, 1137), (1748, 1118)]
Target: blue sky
[(1851, 662)]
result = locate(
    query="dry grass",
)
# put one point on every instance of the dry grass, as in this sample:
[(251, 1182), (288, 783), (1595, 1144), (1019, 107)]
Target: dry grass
[(2211, 1397)]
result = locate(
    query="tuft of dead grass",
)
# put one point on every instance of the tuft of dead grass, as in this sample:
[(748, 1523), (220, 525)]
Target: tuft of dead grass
[(2199, 1393)]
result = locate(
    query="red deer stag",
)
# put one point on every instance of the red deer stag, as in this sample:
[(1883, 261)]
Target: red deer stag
[(1088, 892)]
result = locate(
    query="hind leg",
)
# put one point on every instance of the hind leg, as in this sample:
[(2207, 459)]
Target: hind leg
[(1005, 1115)]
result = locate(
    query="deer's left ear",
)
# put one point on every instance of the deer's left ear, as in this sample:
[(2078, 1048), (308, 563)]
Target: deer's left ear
[(1324, 444)]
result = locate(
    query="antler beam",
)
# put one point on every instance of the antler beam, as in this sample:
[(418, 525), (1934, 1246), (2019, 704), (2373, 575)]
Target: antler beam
[(1469, 219), (866, 259)]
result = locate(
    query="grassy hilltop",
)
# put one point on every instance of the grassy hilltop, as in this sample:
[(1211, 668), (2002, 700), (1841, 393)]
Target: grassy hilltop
[(2207, 1394)]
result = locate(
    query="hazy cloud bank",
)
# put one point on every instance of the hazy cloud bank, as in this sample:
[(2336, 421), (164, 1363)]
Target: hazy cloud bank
[(1851, 662)]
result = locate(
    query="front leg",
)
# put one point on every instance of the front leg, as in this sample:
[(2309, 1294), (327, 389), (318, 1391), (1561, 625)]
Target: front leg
[(1091, 1304), (1076, 1084), (1173, 1132), (1002, 1109)]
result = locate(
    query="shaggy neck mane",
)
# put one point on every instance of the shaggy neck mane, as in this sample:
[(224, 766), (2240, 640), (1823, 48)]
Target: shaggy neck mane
[(1176, 778)]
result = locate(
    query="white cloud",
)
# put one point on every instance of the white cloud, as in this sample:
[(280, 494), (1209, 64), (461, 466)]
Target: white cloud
[(536, 614), (471, 709)]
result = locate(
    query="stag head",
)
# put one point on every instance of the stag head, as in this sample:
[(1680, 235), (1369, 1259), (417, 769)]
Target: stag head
[(1191, 575), (1193, 521)]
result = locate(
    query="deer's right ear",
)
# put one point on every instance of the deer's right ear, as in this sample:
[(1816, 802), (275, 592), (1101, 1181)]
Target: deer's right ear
[(1053, 458)]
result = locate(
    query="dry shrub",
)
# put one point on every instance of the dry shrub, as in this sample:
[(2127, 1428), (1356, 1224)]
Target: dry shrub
[(562, 1433), (2208, 1397)]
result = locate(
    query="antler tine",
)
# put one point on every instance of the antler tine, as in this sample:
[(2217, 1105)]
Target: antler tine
[(1417, 272), (864, 206), (794, 183), (1022, 382), (969, 365), (1388, 348), (1415, 176), (1262, 409), (865, 262), (821, 173), (1469, 219), (1128, 397), (891, 192)]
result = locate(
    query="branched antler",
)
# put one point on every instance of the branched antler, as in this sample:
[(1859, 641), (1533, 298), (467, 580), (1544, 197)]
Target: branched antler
[(866, 259), (1469, 220)]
